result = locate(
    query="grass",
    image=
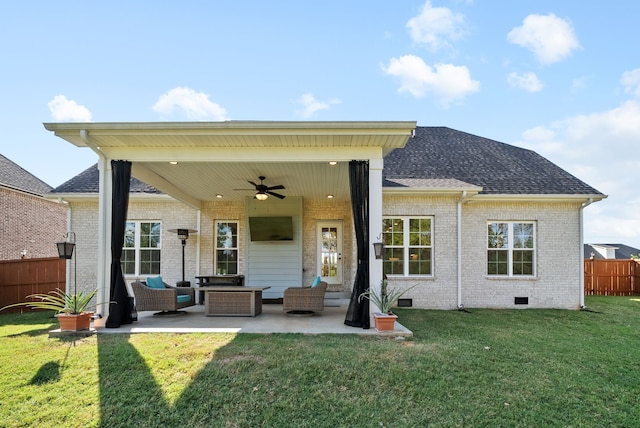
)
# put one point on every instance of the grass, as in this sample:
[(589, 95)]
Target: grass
[(494, 368)]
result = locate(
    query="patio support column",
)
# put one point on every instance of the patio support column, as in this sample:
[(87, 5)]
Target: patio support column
[(104, 239), (375, 225)]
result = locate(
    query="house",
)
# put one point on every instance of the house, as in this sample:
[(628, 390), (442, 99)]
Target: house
[(472, 221), (610, 251), (30, 224)]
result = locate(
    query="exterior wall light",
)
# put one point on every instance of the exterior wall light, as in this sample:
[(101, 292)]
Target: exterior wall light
[(378, 248)]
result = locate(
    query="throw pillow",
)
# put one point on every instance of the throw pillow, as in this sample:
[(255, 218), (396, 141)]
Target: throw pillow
[(155, 282), (316, 281)]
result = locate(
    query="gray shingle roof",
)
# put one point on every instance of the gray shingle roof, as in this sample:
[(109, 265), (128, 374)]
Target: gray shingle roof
[(438, 157), (88, 181), (14, 176), (499, 168)]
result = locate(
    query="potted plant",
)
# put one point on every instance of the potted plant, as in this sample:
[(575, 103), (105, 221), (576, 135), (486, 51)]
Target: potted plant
[(71, 309), (385, 299)]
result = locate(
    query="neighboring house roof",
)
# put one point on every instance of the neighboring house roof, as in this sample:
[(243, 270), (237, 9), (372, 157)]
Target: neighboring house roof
[(15, 177), (88, 181), (610, 251), (444, 153)]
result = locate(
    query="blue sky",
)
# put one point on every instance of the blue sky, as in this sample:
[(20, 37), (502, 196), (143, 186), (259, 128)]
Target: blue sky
[(561, 78)]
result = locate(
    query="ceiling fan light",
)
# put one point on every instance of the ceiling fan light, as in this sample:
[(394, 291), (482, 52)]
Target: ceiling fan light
[(261, 196)]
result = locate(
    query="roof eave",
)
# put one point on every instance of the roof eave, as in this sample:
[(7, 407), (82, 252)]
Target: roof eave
[(469, 191), (541, 197), (78, 197)]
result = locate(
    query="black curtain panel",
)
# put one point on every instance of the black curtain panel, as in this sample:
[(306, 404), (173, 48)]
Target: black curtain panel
[(358, 312), (120, 302)]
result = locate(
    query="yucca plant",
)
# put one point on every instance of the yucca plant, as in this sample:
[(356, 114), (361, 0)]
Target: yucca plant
[(59, 301), (385, 299)]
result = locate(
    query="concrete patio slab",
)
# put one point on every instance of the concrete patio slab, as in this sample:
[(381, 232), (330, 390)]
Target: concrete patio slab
[(271, 320)]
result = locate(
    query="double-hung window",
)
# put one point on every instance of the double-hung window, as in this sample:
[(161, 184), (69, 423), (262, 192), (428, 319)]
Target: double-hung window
[(226, 256), (142, 248), (511, 249), (408, 246)]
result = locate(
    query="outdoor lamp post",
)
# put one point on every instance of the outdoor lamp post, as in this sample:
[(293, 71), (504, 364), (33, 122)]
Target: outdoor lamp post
[(65, 251), (183, 235)]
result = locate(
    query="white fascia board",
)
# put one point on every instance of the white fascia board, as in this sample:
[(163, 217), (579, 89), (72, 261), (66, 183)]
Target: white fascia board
[(241, 154)]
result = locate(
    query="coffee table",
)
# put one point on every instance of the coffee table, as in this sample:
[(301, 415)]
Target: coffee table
[(232, 301)]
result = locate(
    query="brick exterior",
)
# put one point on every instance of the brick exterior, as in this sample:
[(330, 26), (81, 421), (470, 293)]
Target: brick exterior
[(29, 222), (559, 267), (556, 285)]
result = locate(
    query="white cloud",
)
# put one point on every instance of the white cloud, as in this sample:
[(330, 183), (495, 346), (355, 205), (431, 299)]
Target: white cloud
[(194, 105), (435, 26), (64, 110), (631, 82), (311, 106), (599, 148), (550, 38), (527, 81), (447, 82)]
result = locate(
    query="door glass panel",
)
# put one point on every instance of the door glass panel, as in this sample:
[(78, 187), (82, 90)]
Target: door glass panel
[(329, 252)]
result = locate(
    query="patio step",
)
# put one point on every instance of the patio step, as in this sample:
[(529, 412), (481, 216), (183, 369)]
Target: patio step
[(336, 298)]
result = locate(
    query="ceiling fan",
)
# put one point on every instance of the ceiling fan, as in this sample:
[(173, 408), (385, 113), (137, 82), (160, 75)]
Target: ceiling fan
[(263, 191)]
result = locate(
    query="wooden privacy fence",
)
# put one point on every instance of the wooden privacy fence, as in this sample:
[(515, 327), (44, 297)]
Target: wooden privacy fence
[(606, 277), (19, 278)]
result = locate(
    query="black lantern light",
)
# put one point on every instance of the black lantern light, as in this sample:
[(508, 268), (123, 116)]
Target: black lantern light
[(65, 248), (378, 249), (65, 251)]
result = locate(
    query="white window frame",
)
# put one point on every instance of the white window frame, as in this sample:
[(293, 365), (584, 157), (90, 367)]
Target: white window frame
[(217, 269), (406, 245), (137, 248), (510, 247)]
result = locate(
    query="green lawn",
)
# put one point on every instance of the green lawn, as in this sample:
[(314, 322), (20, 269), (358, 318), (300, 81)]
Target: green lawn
[(529, 368)]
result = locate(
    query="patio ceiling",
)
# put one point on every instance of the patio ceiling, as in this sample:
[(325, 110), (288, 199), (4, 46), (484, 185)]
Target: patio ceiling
[(196, 161)]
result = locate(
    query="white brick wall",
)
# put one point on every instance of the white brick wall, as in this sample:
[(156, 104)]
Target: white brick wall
[(439, 291), (556, 285), (559, 268)]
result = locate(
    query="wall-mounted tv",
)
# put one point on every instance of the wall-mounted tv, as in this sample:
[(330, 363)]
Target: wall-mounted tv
[(271, 229)]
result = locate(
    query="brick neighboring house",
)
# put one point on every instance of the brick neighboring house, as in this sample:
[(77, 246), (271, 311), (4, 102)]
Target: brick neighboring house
[(472, 221), (29, 224)]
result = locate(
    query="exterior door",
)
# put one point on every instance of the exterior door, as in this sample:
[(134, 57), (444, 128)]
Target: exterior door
[(329, 238)]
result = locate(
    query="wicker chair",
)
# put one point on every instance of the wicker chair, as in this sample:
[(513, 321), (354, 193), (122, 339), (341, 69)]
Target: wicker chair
[(164, 300), (304, 299)]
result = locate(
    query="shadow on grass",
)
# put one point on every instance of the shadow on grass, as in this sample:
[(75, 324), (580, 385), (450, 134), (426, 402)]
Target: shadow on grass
[(129, 394), (48, 373)]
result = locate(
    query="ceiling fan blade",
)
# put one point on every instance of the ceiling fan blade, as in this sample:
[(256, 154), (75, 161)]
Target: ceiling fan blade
[(278, 187), (251, 182), (277, 195)]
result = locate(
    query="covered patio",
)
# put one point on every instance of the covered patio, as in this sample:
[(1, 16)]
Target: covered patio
[(207, 166)]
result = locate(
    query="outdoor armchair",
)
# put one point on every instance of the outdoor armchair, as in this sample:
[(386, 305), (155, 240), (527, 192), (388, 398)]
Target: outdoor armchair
[(304, 299), (167, 299)]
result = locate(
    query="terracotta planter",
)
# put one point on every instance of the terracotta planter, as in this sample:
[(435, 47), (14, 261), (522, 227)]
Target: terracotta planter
[(385, 322), (74, 322)]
